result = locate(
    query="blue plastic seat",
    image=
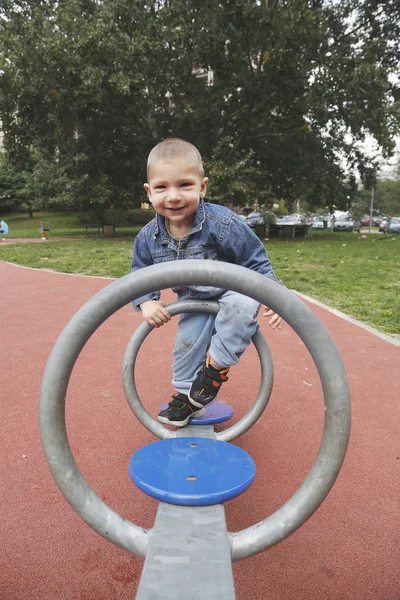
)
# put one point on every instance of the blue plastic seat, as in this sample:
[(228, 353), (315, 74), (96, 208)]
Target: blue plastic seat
[(192, 471), (217, 412)]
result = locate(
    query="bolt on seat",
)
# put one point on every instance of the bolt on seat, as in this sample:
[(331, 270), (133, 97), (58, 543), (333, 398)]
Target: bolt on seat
[(192, 471)]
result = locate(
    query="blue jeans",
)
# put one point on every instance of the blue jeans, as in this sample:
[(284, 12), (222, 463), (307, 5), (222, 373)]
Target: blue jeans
[(225, 336)]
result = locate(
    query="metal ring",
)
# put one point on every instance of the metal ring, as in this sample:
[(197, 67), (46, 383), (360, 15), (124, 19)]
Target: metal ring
[(128, 375), (178, 274)]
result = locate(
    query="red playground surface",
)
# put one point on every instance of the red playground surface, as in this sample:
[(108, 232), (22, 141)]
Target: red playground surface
[(348, 550)]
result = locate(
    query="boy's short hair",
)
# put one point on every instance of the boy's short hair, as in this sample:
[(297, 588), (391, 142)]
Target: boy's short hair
[(171, 149)]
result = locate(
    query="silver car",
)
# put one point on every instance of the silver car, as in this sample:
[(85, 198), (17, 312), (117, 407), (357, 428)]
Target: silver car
[(393, 226), (347, 223), (254, 218), (294, 219), (318, 223)]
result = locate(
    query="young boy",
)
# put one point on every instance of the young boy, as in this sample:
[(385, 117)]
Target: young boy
[(185, 226)]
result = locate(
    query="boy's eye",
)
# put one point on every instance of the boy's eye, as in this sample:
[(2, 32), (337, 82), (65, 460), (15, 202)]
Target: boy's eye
[(186, 184), (160, 187)]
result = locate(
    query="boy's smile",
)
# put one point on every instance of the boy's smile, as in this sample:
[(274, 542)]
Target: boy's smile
[(174, 189)]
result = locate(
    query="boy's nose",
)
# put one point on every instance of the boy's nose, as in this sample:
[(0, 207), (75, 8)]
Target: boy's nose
[(174, 194)]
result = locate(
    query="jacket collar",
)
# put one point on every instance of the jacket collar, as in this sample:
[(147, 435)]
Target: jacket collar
[(199, 218)]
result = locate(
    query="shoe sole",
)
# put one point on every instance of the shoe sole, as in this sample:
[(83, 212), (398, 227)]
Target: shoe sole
[(197, 413), (197, 404)]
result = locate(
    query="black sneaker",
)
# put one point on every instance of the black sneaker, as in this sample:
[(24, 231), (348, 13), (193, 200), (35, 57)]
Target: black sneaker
[(179, 411), (207, 384)]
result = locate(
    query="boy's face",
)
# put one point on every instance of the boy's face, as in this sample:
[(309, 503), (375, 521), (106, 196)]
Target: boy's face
[(174, 189)]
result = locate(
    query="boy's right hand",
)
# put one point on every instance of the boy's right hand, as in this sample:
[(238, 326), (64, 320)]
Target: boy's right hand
[(154, 313)]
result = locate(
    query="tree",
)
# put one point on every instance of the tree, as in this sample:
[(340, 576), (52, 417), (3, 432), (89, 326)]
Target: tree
[(291, 80), (92, 85), (387, 197), (12, 187)]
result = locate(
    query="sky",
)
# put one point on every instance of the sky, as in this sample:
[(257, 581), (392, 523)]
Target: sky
[(389, 169)]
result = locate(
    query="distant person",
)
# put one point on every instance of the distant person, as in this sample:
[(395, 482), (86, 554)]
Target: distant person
[(325, 222), (186, 226), (3, 229), (333, 221)]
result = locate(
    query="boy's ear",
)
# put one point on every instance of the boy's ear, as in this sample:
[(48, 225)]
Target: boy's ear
[(147, 189), (203, 187)]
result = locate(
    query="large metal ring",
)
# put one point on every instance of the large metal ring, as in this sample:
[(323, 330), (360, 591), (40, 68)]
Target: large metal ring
[(128, 375), (178, 274)]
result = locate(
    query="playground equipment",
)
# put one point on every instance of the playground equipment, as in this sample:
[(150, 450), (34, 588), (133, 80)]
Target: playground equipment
[(44, 230), (192, 538)]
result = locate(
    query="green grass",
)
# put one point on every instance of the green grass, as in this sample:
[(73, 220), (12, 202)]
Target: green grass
[(61, 225), (97, 256), (360, 277)]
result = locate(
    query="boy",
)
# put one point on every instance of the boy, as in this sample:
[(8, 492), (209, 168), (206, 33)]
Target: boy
[(185, 226)]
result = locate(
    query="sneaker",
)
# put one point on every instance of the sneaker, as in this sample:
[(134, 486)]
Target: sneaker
[(179, 411), (207, 384)]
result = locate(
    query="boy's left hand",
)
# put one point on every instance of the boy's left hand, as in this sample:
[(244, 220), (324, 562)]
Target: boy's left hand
[(276, 321)]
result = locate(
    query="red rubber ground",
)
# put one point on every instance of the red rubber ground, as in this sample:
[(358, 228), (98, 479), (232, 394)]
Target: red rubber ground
[(348, 550)]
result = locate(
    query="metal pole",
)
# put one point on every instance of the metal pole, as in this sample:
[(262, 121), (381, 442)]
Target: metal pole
[(371, 207)]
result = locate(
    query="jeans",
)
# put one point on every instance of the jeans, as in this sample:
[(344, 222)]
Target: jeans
[(225, 336)]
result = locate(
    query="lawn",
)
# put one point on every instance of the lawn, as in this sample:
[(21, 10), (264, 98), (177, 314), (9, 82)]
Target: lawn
[(360, 277), (61, 225)]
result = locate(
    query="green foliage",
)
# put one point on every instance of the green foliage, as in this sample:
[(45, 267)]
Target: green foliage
[(119, 217), (88, 87), (12, 186), (386, 197)]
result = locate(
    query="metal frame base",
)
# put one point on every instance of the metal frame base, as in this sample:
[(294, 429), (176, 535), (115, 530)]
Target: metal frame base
[(189, 554)]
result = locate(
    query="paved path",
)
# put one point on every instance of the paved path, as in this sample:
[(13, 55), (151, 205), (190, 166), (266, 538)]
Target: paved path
[(348, 550)]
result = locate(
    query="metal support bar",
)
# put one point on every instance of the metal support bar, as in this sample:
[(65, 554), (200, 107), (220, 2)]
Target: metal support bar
[(188, 554), (128, 375), (53, 394)]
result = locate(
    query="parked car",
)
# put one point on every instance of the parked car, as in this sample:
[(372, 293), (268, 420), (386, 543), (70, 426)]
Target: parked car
[(383, 223), (393, 226), (376, 221), (254, 218), (293, 219), (347, 223), (318, 223)]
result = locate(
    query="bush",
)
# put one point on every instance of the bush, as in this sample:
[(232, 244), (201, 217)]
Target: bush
[(269, 217), (137, 216), (119, 217), (87, 217), (116, 216)]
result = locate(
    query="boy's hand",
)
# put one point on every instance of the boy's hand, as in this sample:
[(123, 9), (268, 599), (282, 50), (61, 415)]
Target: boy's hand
[(276, 321), (154, 313)]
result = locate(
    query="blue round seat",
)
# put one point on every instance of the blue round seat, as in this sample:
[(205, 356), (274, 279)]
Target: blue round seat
[(217, 412), (192, 471)]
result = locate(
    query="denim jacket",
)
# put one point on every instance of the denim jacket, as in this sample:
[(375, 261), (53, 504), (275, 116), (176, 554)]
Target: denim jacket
[(217, 233)]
